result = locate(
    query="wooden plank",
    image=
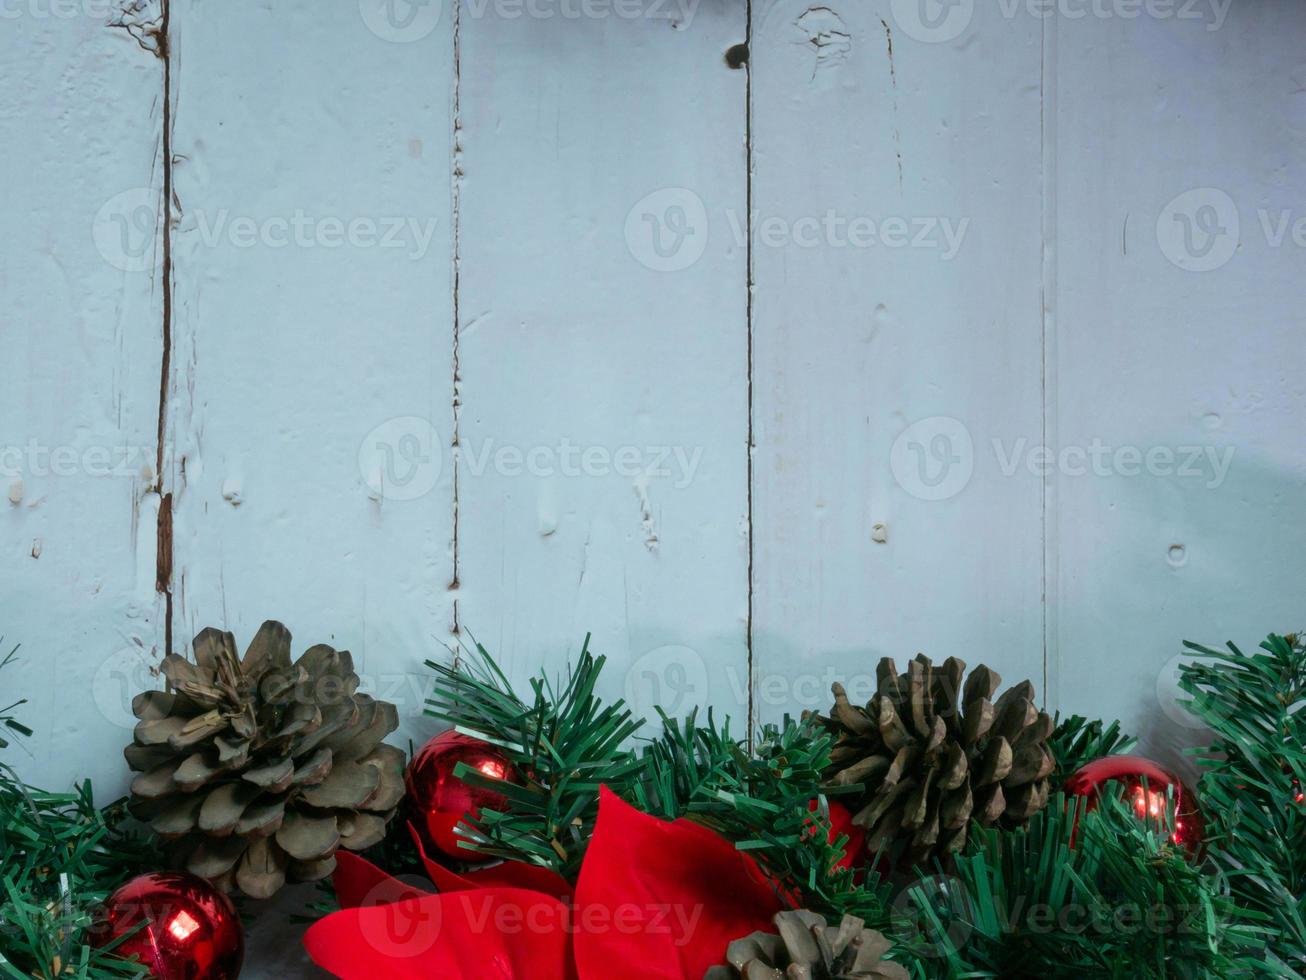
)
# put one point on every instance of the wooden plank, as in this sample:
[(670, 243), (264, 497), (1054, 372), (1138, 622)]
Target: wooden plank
[(80, 329), (1184, 355), (602, 467), (312, 338), (897, 340)]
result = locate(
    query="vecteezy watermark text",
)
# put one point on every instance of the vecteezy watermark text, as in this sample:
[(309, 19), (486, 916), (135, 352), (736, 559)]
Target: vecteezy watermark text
[(37, 459), (935, 458), (941, 21), (126, 231), (406, 21), (1207, 463), (58, 9), (1201, 229), (668, 230), (401, 459)]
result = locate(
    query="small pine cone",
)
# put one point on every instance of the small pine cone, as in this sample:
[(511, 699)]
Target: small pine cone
[(932, 755), (257, 770), (808, 949)]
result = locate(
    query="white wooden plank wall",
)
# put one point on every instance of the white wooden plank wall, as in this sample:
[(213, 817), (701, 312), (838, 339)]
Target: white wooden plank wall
[(602, 474), (461, 321), (1180, 345), (908, 333), (311, 358), (81, 304)]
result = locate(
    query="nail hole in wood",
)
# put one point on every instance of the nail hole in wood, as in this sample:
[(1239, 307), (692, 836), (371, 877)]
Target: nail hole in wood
[(737, 55)]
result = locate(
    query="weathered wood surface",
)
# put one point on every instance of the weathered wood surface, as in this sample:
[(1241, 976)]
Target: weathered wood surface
[(958, 329)]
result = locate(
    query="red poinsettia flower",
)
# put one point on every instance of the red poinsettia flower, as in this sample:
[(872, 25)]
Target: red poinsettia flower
[(654, 901)]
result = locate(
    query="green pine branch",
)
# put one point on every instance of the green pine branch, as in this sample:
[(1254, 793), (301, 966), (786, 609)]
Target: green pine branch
[(1079, 894), (563, 741), (1077, 741), (1073, 894), (567, 743), (762, 800), (60, 857), (1253, 774)]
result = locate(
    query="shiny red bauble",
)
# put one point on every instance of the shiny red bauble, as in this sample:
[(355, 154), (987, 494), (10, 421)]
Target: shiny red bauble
[(191, 929), (439, 800), (1149, 788)]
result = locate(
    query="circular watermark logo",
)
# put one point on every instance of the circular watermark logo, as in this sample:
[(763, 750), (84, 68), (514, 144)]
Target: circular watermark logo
[(933, 21), (1169, 695), (119, 678), (400, 21), (667, 230), (1199, 230), (673, 677), (400, 459), (402, 918), (933, 459), (126, 230)]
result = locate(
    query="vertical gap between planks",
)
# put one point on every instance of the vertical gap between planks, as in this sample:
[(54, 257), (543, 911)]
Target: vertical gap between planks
[(164, 542), (455, 190), (1048, 141), (748, 211)]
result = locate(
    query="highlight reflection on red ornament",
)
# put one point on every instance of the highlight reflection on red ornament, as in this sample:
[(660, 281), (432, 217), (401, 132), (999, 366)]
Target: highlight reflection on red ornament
[(440, 800), (1150, 789), (191, 929)]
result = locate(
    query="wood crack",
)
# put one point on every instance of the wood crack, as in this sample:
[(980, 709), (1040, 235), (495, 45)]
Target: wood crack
[(455, 180), (164, 557), (749, 261)]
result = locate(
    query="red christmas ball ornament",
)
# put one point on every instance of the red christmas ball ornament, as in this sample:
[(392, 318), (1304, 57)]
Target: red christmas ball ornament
[(440, 800), (1149, 788), (191, 929)]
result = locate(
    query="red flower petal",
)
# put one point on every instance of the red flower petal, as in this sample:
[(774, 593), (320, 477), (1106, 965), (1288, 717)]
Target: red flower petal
[(509, 874), (661, 901), (445, 880), (359, 882), (486, 934), (518, 874)]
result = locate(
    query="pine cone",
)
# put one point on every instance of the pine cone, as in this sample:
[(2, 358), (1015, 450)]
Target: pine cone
[(259, 769), (933, 755), (807, 949)]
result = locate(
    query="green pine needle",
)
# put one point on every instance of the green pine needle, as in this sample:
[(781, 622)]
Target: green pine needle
[(1077, 741), (1079, 894), (1072, 894), (60, 857), (1251, 789), (567, 743)]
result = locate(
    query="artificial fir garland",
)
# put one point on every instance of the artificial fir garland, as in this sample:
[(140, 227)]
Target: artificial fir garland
[(61, 855), (570, 744), (1072, 893), (1253, 778), (1076, 891), (1076, 894), (1077, 741)]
